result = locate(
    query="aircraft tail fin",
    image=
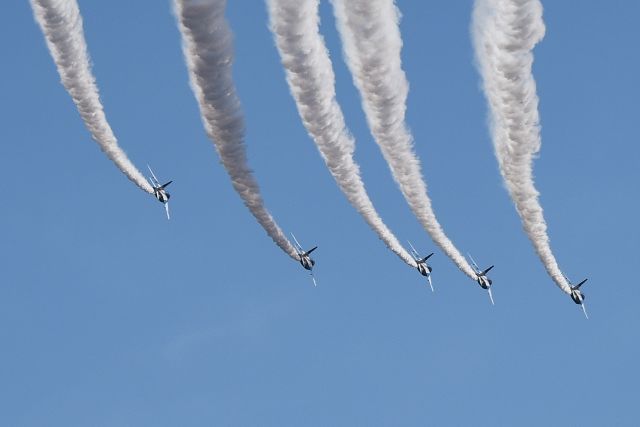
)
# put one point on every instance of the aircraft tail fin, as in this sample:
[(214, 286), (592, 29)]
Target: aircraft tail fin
[(579, 284), (486, 271), (427, 257)]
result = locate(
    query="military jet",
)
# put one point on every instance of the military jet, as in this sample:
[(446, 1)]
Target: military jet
[(421, 264), (159, 191), (576, 294), (481, 277), (305, 258)]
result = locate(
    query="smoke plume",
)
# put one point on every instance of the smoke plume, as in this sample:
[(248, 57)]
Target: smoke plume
[(208, 51), (504, 34), (295, 26), (372, 44), (61, 24)]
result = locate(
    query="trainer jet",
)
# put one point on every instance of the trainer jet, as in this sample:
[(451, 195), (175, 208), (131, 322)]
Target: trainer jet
[(305, 258), (576, 294), (159, 191), (482, 279), (421, 264)]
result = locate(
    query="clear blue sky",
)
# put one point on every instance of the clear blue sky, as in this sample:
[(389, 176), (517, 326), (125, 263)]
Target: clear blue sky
[(110, 315)]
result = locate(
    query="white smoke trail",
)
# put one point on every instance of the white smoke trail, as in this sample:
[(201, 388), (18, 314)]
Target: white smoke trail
[(61, 24), (208, 51), (372, 44), (295, 26), (504, 34)]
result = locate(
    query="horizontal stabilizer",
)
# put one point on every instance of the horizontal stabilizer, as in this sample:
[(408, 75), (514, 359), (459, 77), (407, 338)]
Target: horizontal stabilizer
[(311, 250), (164, 185)]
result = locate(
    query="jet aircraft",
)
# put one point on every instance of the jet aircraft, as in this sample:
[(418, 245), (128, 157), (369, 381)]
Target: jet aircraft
[(481, 277), (577, 296), (159, 191), (305, 258), (421, 264)]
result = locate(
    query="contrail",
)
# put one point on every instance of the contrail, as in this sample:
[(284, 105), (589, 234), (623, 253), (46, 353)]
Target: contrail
[(372, 43), (295, 26), (61, 24), (504, 34), (208, 51)]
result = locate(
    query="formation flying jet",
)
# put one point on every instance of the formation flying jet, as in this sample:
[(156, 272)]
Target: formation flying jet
[(421, 264), (576, 294), (159, 191), (482, 279), (305, 258)]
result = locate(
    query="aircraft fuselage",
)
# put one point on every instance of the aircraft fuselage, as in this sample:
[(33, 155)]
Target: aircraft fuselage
[(577, 296), (423, 268), (484, 282), (161, 195), (307, 262)]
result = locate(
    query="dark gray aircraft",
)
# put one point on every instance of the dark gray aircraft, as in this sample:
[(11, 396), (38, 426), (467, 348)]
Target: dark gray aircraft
[(421, 264), (159, 191), (482, 279), (305, 258)]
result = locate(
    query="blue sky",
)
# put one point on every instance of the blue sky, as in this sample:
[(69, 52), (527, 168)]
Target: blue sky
[(113, 316)]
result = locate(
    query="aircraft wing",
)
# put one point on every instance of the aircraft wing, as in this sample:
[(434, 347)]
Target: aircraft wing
[(155, 180), (584, 310), (415, 253), (473, 263), (297, 244)]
